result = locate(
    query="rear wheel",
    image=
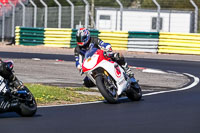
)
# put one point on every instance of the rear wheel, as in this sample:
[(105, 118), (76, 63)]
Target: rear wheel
[(107, 88), (134, 92), (28, 108)]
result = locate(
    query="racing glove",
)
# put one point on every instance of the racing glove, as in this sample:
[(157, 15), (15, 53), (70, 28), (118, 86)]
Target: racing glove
[(108, 54), (79, 67)]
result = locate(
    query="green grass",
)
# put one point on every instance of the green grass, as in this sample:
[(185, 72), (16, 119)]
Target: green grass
[(45, 95), (82, 89)]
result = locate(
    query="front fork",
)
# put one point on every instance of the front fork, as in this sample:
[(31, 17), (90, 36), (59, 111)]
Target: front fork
[(89, 75), (92, 74)]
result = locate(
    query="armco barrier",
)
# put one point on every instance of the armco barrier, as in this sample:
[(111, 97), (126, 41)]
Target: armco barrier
[(43, 36), (173, 43), (66, 37), (63, 37), (143, 41), (179, 43), (117, 39), (29, 36), (53, 37), (57, 37)]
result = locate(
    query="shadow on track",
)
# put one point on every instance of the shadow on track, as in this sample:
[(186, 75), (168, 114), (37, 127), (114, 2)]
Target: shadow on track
[(14, 115)]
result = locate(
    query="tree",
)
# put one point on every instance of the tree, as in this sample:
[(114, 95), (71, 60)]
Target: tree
[(173, 4), (105, 3)]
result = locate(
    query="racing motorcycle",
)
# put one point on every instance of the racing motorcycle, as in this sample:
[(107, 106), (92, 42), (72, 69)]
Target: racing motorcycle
[(109, 77), (22, 101)]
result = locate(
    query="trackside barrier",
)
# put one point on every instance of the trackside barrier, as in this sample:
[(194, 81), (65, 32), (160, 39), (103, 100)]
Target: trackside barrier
[(179, 43), (117, 39), (57, 37), (63, 37), (43, 36), (143, 41), (29, 36), (163, 42), (53, 37)]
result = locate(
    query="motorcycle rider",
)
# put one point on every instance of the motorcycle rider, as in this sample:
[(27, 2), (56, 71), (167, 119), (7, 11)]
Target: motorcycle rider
[(7, 73), (85, 41)]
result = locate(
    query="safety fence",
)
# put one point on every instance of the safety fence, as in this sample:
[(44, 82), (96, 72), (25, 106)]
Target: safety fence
[(43, 36), (155, 42), (143, 41), (52, 37), (179, 43), (63, 37), (117, 39)]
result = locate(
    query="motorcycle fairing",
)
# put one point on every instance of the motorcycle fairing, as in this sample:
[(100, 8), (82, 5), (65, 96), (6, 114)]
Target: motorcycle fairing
[(110, 68), (96, 59)]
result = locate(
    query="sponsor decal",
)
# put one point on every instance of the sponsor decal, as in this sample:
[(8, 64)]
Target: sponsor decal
[(117, 70), (88, 59), (122, 81)]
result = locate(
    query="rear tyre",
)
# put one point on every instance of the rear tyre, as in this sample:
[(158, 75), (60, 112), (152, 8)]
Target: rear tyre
[(134, 92), (28, 108), (107, 89)]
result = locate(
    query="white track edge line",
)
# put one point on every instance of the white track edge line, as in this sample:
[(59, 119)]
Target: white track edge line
[(196, 81)]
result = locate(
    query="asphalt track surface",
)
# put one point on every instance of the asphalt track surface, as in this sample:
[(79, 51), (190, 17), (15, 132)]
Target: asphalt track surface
[(173, 112)]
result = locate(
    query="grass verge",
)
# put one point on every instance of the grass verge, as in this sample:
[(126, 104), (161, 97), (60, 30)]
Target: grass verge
[(51, 95)]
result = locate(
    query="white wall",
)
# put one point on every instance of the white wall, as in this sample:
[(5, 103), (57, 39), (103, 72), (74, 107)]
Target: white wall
[(142, 21), (105, 24), (180, 22)]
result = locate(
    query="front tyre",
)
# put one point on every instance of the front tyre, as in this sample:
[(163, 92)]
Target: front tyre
[(134, 92), (106, 88), (28, 108)]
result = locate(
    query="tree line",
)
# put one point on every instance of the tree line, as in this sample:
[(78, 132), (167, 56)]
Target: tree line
[(175, 4)]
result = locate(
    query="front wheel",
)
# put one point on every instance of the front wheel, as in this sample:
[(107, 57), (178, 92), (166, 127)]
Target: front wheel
[(28, 108), (107, 88), (134, 92)]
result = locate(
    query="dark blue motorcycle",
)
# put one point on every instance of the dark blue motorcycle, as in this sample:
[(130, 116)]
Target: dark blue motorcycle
[(20, 101)]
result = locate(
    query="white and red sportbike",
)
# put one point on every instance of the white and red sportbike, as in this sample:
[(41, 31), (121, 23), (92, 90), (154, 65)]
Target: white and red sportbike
[(110, 78)]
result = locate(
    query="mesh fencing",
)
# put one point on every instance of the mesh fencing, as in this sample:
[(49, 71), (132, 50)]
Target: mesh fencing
[(79, 14)]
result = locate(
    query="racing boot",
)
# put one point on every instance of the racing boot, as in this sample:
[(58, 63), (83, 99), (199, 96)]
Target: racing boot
[(128, 70), (4, 105), (7, 106)]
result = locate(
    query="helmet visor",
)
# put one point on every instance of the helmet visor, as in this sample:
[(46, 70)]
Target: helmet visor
[(80, 38)]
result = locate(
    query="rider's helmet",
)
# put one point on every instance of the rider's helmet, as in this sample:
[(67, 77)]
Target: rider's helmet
[(82, 37)]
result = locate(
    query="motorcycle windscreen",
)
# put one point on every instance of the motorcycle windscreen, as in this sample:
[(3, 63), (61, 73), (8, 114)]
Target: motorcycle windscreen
[(90, 52)]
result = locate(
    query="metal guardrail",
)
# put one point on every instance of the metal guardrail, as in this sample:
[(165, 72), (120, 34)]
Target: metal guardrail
[(143, 45), (117, 39), (143, 41), (155, 42), (63, 37), (54, 37), (179, 43)]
